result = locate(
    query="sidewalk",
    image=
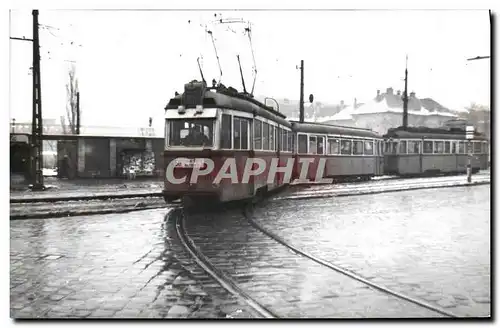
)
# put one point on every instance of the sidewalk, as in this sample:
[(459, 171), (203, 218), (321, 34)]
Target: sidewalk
[(84, 187)]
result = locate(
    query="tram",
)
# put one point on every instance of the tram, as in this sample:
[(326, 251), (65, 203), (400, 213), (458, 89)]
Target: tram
[(211, 134), (431, 151), (347, 153)]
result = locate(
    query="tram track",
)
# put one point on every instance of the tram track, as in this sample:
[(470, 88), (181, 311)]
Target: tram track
[(107, 204), (367, 189), (212, 265), (226, 282), (345, 272), (108, 195)]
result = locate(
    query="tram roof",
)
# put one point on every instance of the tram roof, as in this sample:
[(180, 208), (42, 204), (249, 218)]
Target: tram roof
[(323, 128), (231, 99), (429, 133)]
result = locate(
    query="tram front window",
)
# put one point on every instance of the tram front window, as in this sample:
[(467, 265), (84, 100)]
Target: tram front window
[(191, 133)]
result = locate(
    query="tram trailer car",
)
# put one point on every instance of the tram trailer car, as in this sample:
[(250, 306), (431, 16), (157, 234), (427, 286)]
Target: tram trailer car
[(429, 151), (348, 153), (227, 125)]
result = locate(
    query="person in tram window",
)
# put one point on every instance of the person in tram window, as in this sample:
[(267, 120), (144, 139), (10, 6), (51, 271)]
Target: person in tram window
[(196, 138)]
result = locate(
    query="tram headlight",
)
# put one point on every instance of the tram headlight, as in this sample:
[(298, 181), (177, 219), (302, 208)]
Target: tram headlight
[(181, 109), (199, 109)]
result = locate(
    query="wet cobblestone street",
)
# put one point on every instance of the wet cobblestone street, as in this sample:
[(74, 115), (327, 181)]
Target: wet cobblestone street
[(430, 244), (111, 266), (290, 285)]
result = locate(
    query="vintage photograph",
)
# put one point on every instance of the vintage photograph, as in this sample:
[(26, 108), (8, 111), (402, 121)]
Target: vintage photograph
[(250, 164)]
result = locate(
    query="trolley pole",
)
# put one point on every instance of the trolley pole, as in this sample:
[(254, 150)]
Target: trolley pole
[(469, 134)]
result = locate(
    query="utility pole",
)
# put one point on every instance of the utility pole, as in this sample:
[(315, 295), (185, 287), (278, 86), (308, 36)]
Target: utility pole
[(78, 113), (301, 108), (405, 98), (36, 125)]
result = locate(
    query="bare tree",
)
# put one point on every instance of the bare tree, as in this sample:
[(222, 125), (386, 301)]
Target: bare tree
[(479, 116), (72, 110)]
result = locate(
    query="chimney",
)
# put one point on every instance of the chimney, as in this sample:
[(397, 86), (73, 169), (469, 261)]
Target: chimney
[(389, 91), (399, 92), (378, 93), (342, 104), (412, 94), (355, 103)]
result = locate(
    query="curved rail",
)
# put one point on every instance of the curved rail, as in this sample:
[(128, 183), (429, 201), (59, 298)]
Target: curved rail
[(97, 196), (218, 275), (345, 272)]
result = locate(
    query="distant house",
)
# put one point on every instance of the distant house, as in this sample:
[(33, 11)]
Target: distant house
[(385, 111)]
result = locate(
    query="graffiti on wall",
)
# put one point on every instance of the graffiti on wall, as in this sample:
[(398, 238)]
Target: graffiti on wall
[(138, 163)]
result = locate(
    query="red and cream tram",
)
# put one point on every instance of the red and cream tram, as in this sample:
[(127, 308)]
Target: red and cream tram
[(417, 151), (347, 153), (212, 134)]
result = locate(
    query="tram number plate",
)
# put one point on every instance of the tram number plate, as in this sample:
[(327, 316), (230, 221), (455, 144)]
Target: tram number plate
[(189, 163)]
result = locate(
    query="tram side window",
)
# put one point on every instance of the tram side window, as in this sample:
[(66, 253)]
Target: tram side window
[(271, 137), (468, 147), (394, 147), (428, 147), (286, 140), (236, 133), (291, 141), (387, 147), (312, 145), (477, 147), (402, 147), (454, 147), (257, 135), (276, 138), (333, 146), (226, 132), (286, 146), (446, 147), (485, 147), (357, 147), (368, 147), (461, 147), (321, 145), (438, 147), (346, 147), (302, 144), (265, 136), (240, 133), (281, 144), (413, 147), (244, 133), (281, 135)]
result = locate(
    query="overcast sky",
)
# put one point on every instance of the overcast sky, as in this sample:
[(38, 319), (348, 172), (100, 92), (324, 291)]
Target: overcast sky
[(129, 64)]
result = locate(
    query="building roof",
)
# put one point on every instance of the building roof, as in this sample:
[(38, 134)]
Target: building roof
[(393, 103)]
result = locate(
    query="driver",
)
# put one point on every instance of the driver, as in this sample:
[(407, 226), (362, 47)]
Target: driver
[(196, 137)]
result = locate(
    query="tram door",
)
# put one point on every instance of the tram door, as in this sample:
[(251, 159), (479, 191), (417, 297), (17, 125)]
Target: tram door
[(379, 159)]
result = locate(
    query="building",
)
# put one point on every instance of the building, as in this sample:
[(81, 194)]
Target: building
[(98, 152), (385, 111)]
